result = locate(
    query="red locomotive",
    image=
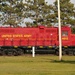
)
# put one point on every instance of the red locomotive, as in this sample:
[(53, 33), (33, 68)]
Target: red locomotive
[(16, 41)]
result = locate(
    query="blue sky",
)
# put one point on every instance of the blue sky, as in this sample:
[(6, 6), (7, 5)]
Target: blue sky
[(51, 1)]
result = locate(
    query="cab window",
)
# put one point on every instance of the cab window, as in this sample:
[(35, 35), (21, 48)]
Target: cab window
[(64, 33)]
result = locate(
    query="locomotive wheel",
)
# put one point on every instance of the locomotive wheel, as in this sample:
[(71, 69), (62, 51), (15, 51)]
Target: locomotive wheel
[(74, 53), (4, 51), (71, 53), (63, 53), (15, 52), (20, 52), (57, 53), (10, 53), (0, 52)]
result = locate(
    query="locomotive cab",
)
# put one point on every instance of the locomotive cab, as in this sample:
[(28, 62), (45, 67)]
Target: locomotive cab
[(66, 31)]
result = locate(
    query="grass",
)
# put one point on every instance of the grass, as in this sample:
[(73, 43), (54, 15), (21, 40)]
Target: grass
[(40, 65)]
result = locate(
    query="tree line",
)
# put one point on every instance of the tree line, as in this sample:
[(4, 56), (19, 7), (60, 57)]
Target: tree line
[(13, 13)]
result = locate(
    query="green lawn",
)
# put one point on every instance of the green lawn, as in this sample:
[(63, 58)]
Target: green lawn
[(40, 65)]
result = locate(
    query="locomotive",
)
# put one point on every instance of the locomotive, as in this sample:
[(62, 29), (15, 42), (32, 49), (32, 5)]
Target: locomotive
[(18, 41)]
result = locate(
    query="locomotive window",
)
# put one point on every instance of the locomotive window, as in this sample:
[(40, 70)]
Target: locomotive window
[(64, 33)]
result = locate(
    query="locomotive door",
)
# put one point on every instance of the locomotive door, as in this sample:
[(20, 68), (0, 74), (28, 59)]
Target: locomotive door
[(53, 39), (65, 37), (51, 35)]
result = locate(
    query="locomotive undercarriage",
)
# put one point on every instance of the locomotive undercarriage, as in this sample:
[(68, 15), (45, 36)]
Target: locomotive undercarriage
[(11, 51), (15, 51), (70, 50)]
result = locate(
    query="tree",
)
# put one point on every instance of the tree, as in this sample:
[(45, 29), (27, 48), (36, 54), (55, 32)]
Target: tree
[(67, 12), (39, 11), (12, 12)]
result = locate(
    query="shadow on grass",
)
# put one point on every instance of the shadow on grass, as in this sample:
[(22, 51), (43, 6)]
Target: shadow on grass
[(64, 61)]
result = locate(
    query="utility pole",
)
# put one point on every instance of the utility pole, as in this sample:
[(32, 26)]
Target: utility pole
[(60, 40)]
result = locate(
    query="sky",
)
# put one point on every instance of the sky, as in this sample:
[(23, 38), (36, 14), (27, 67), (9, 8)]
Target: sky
[(51, 1)]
